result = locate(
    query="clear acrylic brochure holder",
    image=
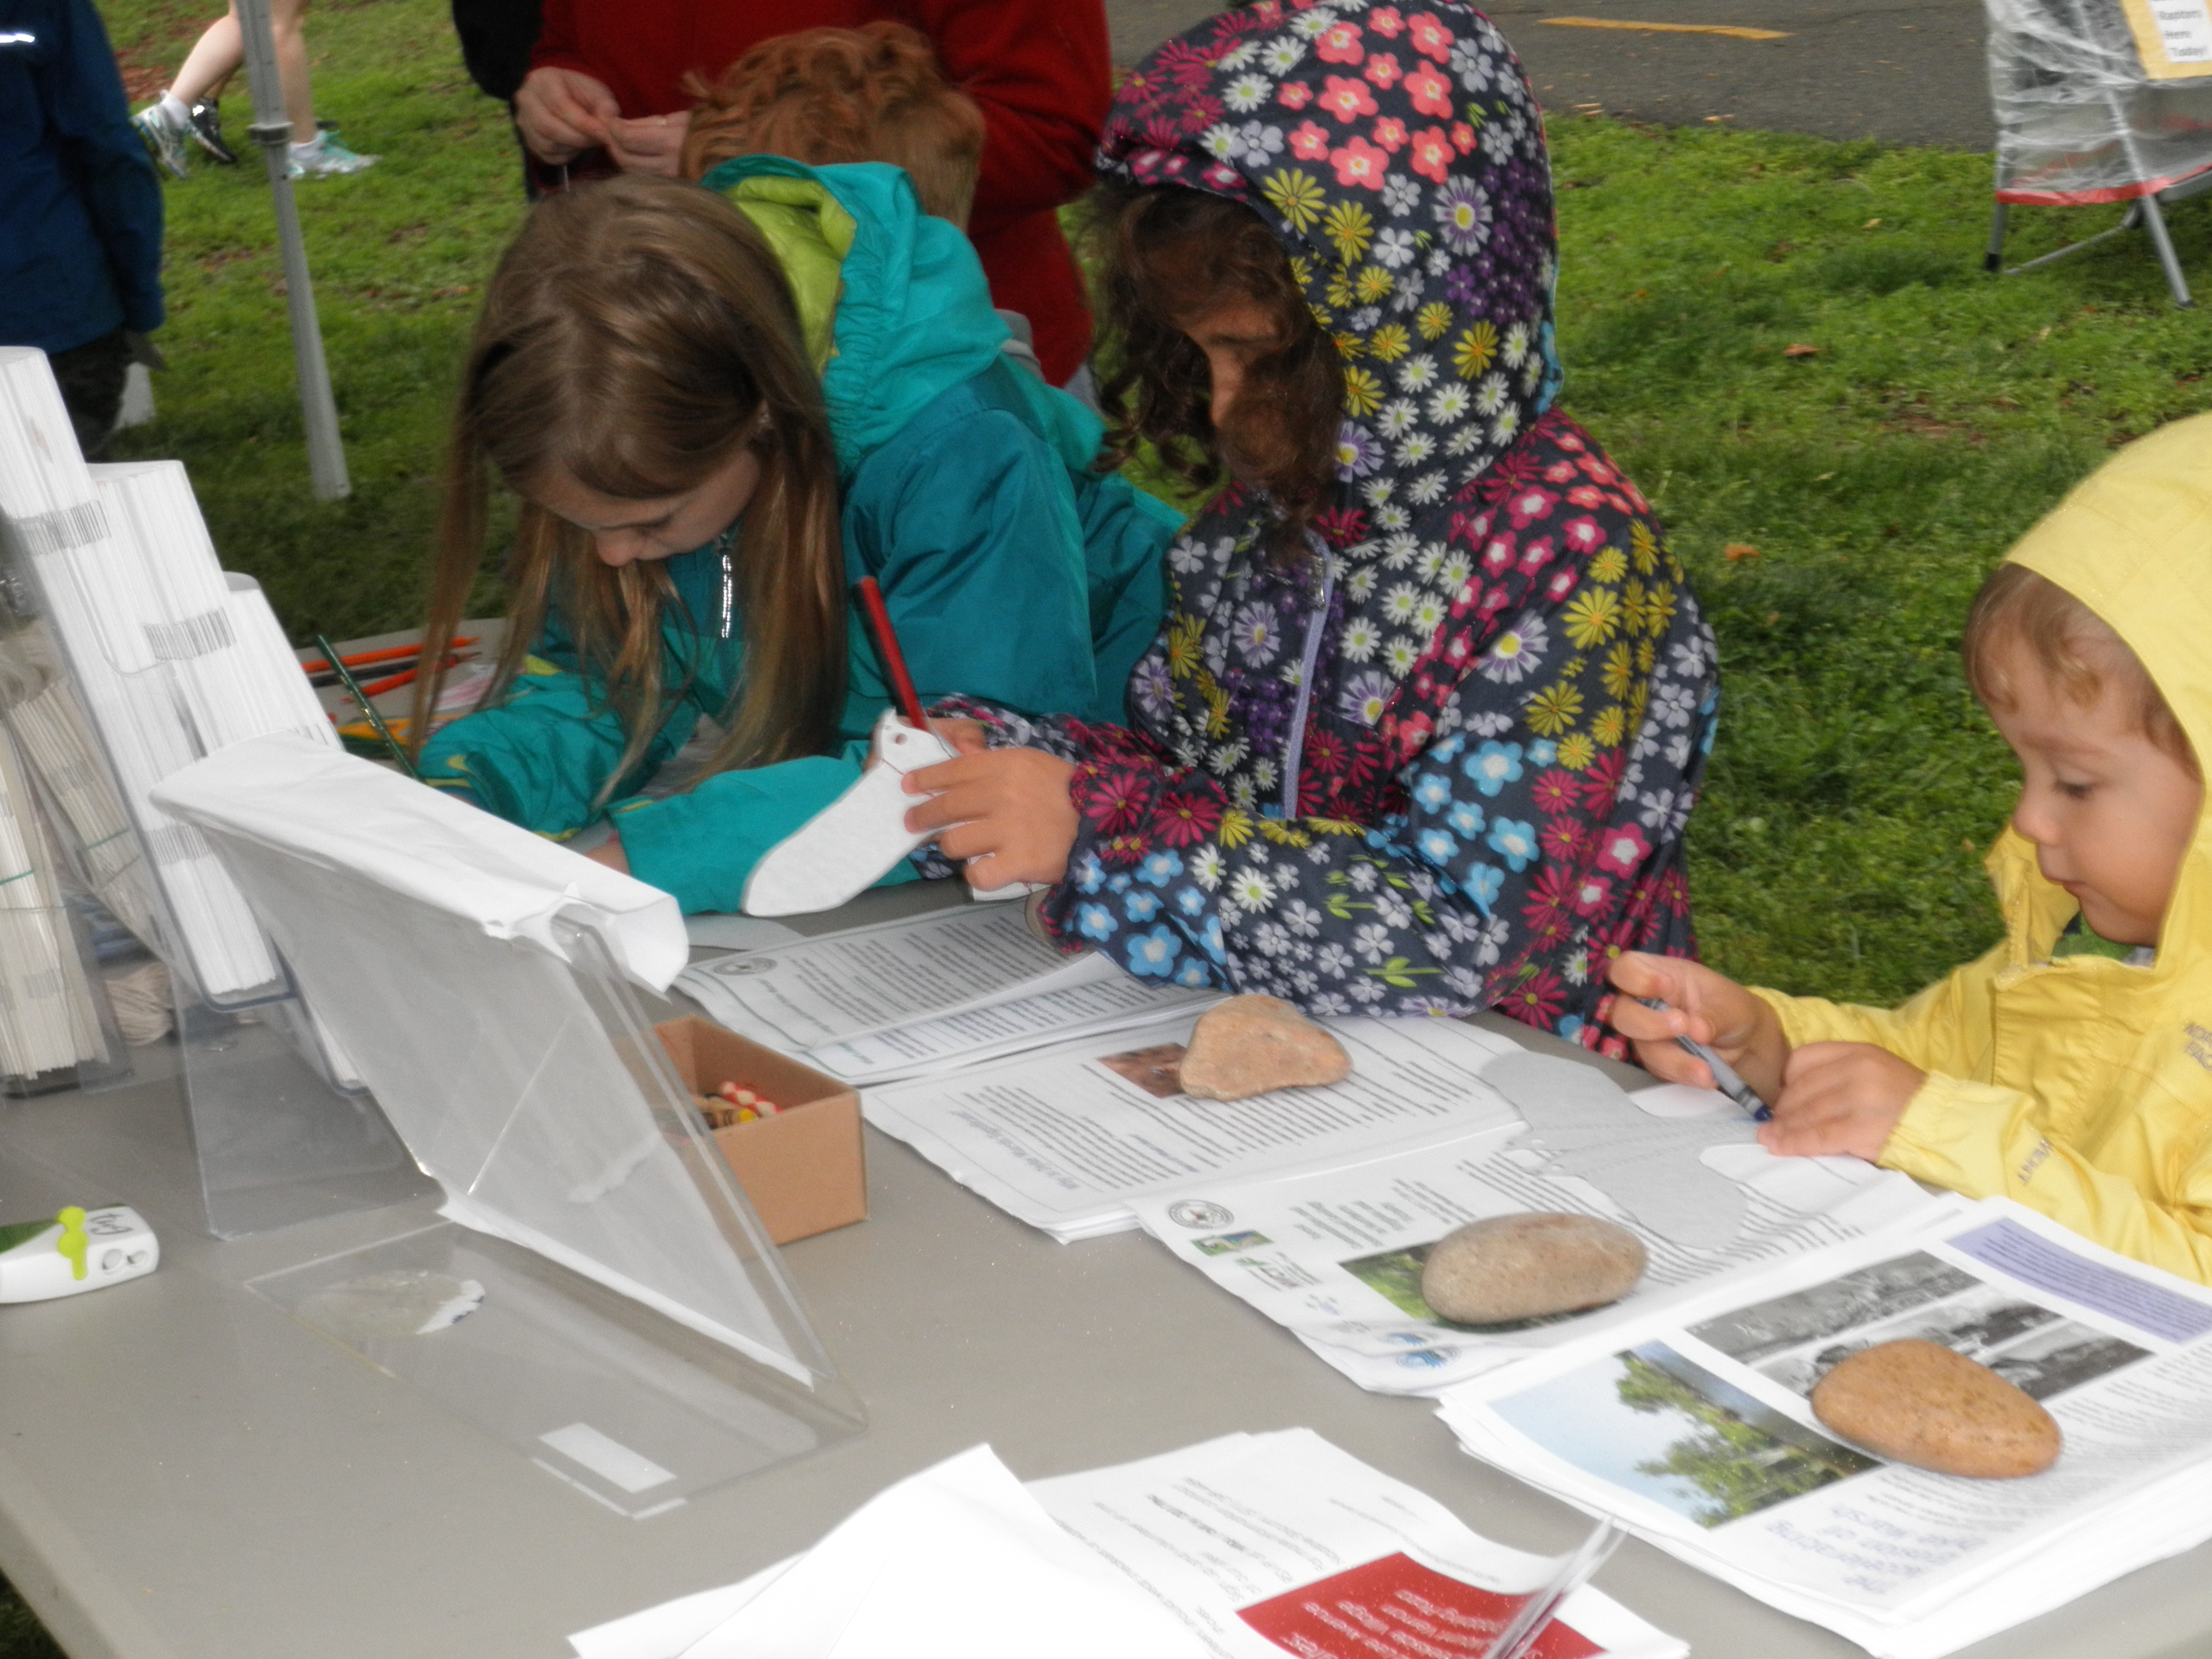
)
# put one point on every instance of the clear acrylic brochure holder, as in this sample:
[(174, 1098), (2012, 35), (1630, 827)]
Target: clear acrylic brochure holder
[(283, 1129), (636, 1335), (94, 1055)]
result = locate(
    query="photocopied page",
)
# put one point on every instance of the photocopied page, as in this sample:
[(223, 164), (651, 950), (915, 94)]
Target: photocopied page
[(1068, 1139), (957, 1562), (1336, 1256), (1695, 1428), (1092, 1007), (1249, 1546), (1272, 1543), (836, 986)]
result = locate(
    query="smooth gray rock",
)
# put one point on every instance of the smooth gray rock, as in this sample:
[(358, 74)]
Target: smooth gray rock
[(1523, 1266)]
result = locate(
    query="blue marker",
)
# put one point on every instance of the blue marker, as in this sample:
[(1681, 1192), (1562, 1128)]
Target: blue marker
[(1725, 1076)]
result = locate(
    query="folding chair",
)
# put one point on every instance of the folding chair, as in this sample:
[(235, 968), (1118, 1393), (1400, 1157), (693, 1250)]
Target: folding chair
[(2080, 120)]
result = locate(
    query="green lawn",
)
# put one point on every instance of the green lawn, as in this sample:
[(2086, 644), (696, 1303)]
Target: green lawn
[(1854, 784)]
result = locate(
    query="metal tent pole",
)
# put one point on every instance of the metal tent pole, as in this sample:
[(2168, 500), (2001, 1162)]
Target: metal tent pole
[(327, 464)]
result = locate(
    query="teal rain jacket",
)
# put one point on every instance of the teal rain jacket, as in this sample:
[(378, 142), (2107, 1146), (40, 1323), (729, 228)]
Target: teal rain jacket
[(1011, 574)]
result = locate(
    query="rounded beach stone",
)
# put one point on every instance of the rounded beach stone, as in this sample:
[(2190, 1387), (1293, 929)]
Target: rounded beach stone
[(1248, 1045), (1918, 1402), (1523, 1266)]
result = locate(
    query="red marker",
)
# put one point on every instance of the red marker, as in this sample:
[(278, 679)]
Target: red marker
[(887, 647)]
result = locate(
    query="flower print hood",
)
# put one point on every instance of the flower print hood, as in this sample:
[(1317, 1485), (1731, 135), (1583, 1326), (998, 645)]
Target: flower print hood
[(1398, 153)]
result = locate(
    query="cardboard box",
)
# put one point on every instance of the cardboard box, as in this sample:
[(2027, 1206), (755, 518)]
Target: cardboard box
[(803, 1168)]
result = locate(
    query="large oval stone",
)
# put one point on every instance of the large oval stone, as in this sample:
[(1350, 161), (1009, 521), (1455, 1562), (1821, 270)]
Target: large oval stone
[(1918, 1402), (1248, 1045), (1523, 1266)]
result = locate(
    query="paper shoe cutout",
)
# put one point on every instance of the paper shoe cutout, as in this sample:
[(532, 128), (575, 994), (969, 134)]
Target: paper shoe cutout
[(846, 846), (849, 845)]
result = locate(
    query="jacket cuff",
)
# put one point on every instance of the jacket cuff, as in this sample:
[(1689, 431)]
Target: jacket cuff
[(1968, 1137)]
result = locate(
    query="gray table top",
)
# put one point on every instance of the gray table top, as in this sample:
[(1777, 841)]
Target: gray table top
[(186, 1474)]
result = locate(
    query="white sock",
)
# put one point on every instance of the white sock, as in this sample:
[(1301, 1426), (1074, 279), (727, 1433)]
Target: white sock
[(175, 110), (313, 144)]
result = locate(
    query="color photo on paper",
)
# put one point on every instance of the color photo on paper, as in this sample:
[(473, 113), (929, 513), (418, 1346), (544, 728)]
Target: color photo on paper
[(1656, 1423)]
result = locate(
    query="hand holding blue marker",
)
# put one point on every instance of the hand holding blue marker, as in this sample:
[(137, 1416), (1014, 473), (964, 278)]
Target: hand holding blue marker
[(1725, 1076)]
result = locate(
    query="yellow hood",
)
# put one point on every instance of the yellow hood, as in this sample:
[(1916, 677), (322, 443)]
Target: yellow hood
[(2134, 543)]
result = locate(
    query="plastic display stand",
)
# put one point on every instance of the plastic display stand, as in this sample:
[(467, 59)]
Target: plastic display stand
[(283, 1130), (635, 1334), (29, 934)]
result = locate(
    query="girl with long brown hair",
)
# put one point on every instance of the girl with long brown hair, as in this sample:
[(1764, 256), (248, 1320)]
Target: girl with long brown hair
[(716, 410)]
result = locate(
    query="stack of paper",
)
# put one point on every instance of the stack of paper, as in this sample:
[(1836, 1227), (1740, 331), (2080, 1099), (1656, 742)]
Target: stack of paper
[(1693, 1427), (1072, 1139), (173, 660), (47, 1023), (1336, 1255), (56, 741), (909, 998), (1246, 1547)]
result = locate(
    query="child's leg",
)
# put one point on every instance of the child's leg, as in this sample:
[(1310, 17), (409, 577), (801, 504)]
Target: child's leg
[(219, 51), (285, 18)]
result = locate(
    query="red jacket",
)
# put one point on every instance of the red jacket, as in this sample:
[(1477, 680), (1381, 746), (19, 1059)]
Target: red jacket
[(1038, 68)]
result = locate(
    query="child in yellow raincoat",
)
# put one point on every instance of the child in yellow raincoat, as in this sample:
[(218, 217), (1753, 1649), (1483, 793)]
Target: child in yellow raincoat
[(2070, 1067)]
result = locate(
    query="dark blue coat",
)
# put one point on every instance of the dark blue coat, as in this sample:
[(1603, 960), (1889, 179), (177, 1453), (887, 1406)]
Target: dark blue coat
[(80, 206)]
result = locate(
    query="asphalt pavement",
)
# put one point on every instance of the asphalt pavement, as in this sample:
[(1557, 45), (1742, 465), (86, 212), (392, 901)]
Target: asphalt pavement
[(1906, 71)]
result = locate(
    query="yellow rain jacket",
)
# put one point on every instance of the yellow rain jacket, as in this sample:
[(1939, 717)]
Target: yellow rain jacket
[(2082, 1087)]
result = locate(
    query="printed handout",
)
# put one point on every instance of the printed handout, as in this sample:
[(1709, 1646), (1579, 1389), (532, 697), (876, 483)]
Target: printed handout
[(1336, 1256), (1692, 1426), (1249, 1546), (903, 999), (1267, 1543), (1068, 1140)]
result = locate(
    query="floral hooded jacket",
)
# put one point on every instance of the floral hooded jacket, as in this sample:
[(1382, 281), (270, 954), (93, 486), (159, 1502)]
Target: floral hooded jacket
[(1446, 763)]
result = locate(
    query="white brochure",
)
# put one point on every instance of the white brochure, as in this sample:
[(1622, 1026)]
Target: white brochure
[(1070, 1139), (1249, 1546), (903, 998), (1336, 1256), (1693, 1427), (1264, 1544)]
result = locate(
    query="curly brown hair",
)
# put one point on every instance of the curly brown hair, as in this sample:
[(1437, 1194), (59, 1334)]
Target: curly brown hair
[(825, 96), (1168, 255)]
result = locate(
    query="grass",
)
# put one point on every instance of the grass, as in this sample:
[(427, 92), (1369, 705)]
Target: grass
[(1939, 414), (398, 257), (1855, 784)]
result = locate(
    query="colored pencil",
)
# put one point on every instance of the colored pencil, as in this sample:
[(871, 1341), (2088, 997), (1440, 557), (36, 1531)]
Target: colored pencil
[(887, 647), (375, 720), (370, 659)]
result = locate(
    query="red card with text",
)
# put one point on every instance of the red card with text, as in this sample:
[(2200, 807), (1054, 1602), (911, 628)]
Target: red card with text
[(1396, 1609)]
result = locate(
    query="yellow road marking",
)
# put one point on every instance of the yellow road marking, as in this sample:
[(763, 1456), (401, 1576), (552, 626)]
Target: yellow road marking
[(1732, 31)]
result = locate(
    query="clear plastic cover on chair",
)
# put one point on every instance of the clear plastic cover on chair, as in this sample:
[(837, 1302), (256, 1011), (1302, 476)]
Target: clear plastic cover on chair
[(2098, 100)]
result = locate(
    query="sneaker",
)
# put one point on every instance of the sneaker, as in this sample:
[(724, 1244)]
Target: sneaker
[(164, 142), (207, 132), (324, 156)]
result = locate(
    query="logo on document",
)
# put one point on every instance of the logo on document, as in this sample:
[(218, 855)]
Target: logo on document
[(1198, 1215)]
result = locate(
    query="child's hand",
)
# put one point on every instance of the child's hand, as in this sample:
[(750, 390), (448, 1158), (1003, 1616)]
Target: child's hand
[(1005, 812), (1839, 1098), (1702, 1005)]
